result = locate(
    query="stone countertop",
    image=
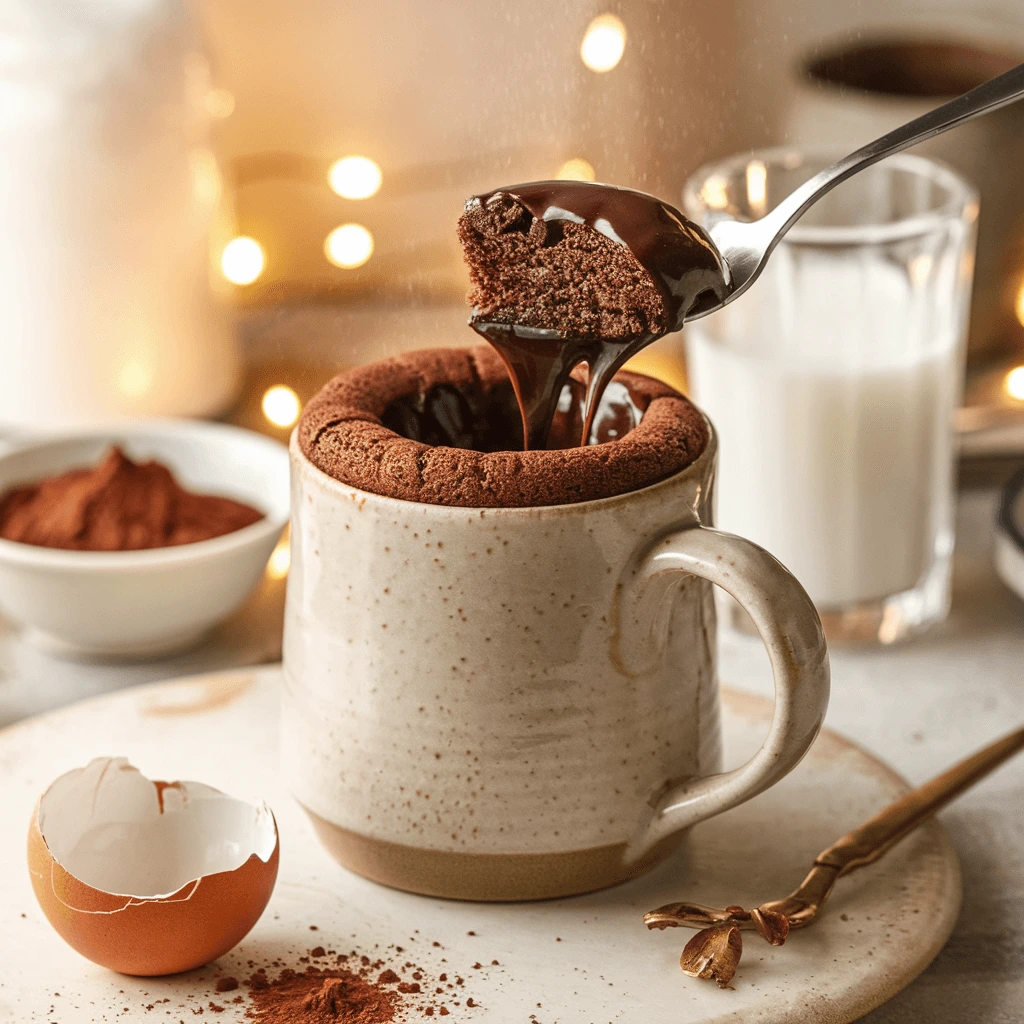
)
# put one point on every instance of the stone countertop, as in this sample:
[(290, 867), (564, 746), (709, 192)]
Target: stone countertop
[(921, 707), (34, 680)]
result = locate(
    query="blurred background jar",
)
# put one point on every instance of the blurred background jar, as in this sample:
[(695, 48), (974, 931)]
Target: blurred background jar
[(109, 201), (850, 91)]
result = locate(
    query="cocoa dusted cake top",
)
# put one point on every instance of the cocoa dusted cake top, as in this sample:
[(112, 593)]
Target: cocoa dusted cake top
[(439, 426), (586, 259)]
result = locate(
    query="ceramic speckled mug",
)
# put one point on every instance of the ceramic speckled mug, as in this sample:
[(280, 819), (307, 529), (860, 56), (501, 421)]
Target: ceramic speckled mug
[(519, 703)]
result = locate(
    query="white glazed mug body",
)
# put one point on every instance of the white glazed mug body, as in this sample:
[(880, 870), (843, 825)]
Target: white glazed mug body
[(510, 703)]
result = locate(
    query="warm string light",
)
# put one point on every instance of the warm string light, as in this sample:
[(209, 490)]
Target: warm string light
[(349, 246), (355, 177), (281, 405), (757, 186), (603, 43), (220, 103), (919, 268), (242, 260), (135, 377), (576, 169), (714, 192), (1014, 383), (280, 559), (207, 183), (1018, 306)]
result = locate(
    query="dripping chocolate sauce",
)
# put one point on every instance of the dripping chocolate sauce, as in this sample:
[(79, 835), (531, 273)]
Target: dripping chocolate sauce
[(464, 417), (677, 254)]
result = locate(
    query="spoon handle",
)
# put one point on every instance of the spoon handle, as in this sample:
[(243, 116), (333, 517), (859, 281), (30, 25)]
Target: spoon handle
[(991, 95), (864, 845)]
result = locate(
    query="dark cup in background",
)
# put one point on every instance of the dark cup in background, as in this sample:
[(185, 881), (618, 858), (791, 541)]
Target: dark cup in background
[(852, 92)]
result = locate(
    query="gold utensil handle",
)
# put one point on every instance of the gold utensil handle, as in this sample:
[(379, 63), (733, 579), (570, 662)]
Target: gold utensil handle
[(864, 845)]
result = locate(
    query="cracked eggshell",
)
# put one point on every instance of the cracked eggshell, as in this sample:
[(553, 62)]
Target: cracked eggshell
[(146, 877)]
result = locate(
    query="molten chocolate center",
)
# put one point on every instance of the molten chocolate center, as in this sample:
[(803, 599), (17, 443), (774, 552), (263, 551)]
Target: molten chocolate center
[(679, 258), (470, 417)]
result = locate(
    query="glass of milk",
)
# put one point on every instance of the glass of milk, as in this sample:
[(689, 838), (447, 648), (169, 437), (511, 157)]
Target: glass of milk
[(832, 383)]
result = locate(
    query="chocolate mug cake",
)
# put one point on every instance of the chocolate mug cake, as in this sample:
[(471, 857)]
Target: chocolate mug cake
[(440, 427)]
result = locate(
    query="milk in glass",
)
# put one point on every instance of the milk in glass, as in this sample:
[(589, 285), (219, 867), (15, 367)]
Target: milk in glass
[(833, 389)]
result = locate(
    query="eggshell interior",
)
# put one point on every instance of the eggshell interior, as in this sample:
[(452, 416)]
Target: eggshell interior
[(117, 831)]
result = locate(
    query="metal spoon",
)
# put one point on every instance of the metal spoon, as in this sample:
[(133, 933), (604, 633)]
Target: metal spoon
[(746, 246), (715, 951)]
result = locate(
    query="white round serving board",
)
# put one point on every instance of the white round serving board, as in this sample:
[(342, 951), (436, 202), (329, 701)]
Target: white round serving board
[(585, 959)]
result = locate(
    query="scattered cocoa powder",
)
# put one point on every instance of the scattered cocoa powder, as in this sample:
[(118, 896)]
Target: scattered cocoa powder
[(227, 984), (118, 505), (346, 993)]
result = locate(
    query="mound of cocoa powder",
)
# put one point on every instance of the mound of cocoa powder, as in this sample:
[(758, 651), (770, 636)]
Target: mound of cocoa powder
[(353, 988), (118, 505), (321, 997)]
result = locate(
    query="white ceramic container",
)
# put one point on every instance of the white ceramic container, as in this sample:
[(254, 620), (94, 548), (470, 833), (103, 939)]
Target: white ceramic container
[(141, 603), (111, 205)]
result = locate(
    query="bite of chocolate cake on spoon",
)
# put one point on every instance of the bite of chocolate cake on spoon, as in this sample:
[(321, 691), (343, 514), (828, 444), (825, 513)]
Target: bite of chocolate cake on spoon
[(570, 272)]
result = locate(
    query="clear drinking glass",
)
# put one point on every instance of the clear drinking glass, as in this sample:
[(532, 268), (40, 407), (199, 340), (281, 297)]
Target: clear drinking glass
[(833, 382)]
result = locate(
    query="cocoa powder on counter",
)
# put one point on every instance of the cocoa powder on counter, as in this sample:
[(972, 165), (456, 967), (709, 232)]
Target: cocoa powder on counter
[(350, 988), (315, 996), (118, 505)]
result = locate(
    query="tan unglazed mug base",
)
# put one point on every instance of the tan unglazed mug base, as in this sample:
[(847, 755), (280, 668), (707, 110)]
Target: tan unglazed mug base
[(484, 877)]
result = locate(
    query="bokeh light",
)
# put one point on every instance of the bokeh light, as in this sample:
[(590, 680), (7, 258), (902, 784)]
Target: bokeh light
[(757, 186), (714, 192), (1014, 383), (207, 183), (281, 405), (1018, 306), (280, 559), (603, 43), (349, 246), (919, 269), (576, 169), (135, 377), (220, 103), (355, 177), (242, 260)]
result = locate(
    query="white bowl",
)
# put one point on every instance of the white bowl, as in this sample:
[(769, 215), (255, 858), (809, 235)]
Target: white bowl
[(143, 603)]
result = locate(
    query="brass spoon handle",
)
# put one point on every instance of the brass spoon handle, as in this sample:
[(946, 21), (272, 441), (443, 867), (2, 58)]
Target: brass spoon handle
[(862, 846)]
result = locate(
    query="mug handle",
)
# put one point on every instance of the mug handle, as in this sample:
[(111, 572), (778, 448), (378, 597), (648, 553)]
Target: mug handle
[(791, 631)]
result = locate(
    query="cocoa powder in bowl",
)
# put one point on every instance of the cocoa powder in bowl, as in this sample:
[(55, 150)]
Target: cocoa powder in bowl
[(460, 401), (117, 505)]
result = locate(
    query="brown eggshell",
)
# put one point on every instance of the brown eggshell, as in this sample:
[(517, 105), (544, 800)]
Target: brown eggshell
[(152, 935)]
